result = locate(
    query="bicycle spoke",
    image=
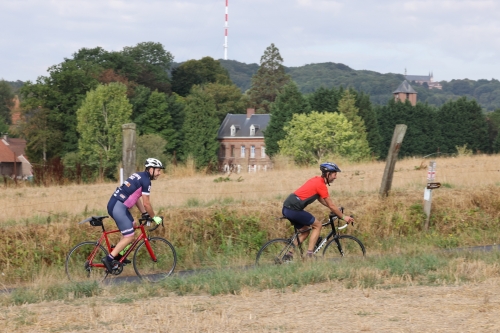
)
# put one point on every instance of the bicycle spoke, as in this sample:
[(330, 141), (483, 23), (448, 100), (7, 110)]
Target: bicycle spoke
[(80, 265), (277, 252), (347, 248), (155, 271)]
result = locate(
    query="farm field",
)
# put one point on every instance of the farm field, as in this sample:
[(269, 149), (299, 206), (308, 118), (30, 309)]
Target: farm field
[(195, 190), (319, 307), (221, 220)]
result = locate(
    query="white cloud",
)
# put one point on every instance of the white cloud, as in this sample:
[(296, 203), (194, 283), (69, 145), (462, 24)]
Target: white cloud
[(455, 39)]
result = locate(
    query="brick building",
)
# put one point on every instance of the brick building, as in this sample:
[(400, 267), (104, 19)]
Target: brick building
[(405, 92), (241, 138), (13, 163)]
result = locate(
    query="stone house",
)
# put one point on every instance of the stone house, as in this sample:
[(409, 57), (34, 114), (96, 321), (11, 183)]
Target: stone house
[(241, 139)]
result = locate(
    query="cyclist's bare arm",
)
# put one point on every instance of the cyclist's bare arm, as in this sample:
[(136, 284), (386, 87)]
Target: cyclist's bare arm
[(140, 206), (147, 205), (327, 202)]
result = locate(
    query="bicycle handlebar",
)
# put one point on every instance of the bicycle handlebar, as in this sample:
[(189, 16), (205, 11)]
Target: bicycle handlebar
[(148, 221)]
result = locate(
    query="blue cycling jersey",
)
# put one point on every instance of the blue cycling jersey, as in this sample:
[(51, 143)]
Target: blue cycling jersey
[(133, 188)]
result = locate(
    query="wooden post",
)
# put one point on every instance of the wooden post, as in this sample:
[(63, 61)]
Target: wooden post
[(128, 150), (431, 176), (397, 140)]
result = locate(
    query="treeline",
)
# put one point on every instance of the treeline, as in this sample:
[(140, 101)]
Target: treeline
[(379, 86), (75, 113)]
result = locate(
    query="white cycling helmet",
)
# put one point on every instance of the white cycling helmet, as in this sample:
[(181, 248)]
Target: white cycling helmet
[(153, 163)]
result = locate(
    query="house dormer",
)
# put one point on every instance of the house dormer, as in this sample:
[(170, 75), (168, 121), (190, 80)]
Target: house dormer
[(234, 128), (253, 128)]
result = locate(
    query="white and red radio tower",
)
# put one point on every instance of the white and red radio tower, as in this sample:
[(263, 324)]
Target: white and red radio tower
[(225, 32)]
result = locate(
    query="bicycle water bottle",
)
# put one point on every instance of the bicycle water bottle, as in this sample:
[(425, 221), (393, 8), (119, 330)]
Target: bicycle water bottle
[(122, 252)]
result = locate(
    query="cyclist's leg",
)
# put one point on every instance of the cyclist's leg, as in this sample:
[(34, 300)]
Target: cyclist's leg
[(315, 232), (124, 220), (302, 220)]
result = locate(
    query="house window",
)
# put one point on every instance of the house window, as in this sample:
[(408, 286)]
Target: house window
[(252, 151), (222, 152), (263, 152), (252, 130), (233, 130), (232, 151), (242, 151)]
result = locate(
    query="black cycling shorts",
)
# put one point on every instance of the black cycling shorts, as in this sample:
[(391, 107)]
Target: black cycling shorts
[(299, 218), (120, 213)]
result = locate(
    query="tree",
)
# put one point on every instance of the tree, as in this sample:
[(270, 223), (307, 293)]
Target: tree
[(289, 102), (325, 100), (423, 134), (463, 122), (6, 102), (227, 98), (493, 119), (198, 72), (60, 94), (313, 137), (200, 128), (152, 62), (100, 120), (369, 116), (348, 108), (269, 80), (43, 141), (150, 145), (4, 128)]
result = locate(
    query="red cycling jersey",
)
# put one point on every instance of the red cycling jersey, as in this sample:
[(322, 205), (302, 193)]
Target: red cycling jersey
[(313, 189)]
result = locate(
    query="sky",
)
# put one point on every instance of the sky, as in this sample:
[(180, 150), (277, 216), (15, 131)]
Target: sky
[(452, 39)]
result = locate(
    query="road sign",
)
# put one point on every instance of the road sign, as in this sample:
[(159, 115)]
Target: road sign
[(432, 186)]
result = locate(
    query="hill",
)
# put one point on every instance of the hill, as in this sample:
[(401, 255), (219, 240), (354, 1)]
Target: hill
[(378, 86)]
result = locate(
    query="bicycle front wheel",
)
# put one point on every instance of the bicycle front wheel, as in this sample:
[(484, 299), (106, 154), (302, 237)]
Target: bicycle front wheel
[(155, 270), (346, 247), (276, 252), (83, 263)]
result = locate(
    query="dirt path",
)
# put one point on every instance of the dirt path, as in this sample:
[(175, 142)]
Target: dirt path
[(466, 308)]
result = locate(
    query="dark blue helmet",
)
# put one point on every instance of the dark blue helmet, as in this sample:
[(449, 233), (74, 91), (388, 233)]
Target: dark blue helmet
[(329, 167)]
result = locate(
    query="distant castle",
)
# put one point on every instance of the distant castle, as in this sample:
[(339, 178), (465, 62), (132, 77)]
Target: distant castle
[(421, 79)]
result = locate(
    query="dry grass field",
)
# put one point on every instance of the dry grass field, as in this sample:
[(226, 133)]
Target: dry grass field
[(356, 180), (319, 307), (469, 197)]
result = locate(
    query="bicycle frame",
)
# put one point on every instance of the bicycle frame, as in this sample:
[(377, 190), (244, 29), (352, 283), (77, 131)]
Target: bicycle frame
[(104, 238), (333, 234)]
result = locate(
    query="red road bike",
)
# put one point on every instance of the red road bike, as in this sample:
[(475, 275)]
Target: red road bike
[(154, 258)]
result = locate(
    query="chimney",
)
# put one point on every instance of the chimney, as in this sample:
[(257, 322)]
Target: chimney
[(250, 112)]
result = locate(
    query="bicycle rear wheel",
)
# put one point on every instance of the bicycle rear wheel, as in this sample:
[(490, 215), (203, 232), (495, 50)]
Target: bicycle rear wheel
[(348, 247), (147, 268), (276, 252), (81, 260)]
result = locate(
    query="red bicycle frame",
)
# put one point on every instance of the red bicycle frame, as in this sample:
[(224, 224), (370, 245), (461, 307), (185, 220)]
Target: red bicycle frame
[(104, 237)]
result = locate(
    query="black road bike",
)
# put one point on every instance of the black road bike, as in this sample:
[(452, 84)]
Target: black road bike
[(279, 251)]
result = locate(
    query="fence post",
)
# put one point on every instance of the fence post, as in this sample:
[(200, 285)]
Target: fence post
[(397, 140), (129, 148), (431, 176)]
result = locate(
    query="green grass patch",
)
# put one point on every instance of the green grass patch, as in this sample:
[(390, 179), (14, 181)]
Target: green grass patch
[(429, 268)]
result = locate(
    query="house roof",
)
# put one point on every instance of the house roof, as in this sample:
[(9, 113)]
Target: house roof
[(405, 87), (6, 154), (243, 124), (16, 145), (426, 78)]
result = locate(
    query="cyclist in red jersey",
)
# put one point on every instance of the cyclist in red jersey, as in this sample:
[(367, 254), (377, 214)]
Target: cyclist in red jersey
[(312, 190)]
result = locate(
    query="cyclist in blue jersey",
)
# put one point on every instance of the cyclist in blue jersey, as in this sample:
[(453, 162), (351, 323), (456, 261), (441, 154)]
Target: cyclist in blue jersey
[(130, 193)]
